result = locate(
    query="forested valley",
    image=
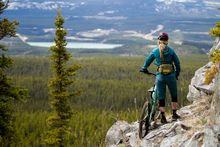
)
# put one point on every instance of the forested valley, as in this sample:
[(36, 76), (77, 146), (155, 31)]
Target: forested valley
[(111, 88)]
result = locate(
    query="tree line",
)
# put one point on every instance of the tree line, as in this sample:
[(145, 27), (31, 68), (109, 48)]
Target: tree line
[(111, 88)]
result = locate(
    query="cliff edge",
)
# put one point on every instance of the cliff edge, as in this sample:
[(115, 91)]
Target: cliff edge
[(199, 125)]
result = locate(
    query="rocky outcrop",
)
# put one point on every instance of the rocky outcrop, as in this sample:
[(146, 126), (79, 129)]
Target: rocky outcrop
[(119, 133), (216, 45), (187, 132), (215, 115), (212, 128), (197, 88), (199, 125)]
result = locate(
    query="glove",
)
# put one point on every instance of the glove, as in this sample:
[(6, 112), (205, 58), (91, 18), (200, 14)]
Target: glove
[(144, 70)]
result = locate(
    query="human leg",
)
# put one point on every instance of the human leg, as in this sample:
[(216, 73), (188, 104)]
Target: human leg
[(162, 111), (172, 86), (161, 93)]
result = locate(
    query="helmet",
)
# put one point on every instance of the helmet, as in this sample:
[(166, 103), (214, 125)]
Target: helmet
[(163, 36)]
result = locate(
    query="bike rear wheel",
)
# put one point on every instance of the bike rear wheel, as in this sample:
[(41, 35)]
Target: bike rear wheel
[(144, 122)]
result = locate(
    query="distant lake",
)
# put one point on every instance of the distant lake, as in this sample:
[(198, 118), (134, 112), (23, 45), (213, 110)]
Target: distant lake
[(78, 45)]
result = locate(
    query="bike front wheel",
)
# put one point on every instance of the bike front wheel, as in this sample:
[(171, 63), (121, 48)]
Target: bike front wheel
[(144, 122)]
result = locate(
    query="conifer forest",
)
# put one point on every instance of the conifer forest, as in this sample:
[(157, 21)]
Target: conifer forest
[(60, 99)]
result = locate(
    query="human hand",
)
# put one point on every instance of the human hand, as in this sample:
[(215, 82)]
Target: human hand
[(144, 70)]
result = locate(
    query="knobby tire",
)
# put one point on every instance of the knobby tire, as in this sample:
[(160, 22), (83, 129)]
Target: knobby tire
[(144, 122)]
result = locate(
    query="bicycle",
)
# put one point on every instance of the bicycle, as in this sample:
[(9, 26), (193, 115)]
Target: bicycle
[(150, 111)]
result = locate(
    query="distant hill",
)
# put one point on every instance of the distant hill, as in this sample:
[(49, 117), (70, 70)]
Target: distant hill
[(127, 22), (130, 48)]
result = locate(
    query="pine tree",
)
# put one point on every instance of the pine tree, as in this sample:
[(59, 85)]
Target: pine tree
[(8, 92), (59, 84)]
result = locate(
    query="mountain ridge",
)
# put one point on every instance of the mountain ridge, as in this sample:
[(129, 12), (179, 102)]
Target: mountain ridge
[(131, 21)]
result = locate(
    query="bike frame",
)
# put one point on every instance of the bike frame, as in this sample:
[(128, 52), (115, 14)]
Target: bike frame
[(150, 108), (153, 103)]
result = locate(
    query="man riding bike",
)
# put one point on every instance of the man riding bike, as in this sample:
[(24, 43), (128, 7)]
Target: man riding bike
[(167, 73)]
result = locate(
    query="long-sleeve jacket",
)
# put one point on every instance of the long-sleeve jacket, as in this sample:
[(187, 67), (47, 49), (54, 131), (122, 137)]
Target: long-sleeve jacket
[(170, 57)]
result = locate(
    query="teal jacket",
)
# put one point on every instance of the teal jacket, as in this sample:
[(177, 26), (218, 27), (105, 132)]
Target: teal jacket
[(170, 57)]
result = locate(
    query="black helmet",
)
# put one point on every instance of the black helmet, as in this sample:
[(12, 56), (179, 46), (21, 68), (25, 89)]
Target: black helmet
[(163, 36)]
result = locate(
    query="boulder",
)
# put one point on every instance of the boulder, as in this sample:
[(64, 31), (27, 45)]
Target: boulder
[(187, 132), (216, 45), (212, 136), (197, 88), (212, 129), (117, 133)]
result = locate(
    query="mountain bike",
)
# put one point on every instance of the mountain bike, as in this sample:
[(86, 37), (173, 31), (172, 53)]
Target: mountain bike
[(150, 112)]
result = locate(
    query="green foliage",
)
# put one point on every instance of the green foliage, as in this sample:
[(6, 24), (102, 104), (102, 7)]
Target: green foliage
[(211, 72), (7, 28), (3, 5), (107, 82), (109, 87), (215, 32), (88, 128), (215, 56), (8, 92), (61, 80)]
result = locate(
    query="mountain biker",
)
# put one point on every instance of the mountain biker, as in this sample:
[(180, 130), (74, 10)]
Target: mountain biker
[(167, 73)]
